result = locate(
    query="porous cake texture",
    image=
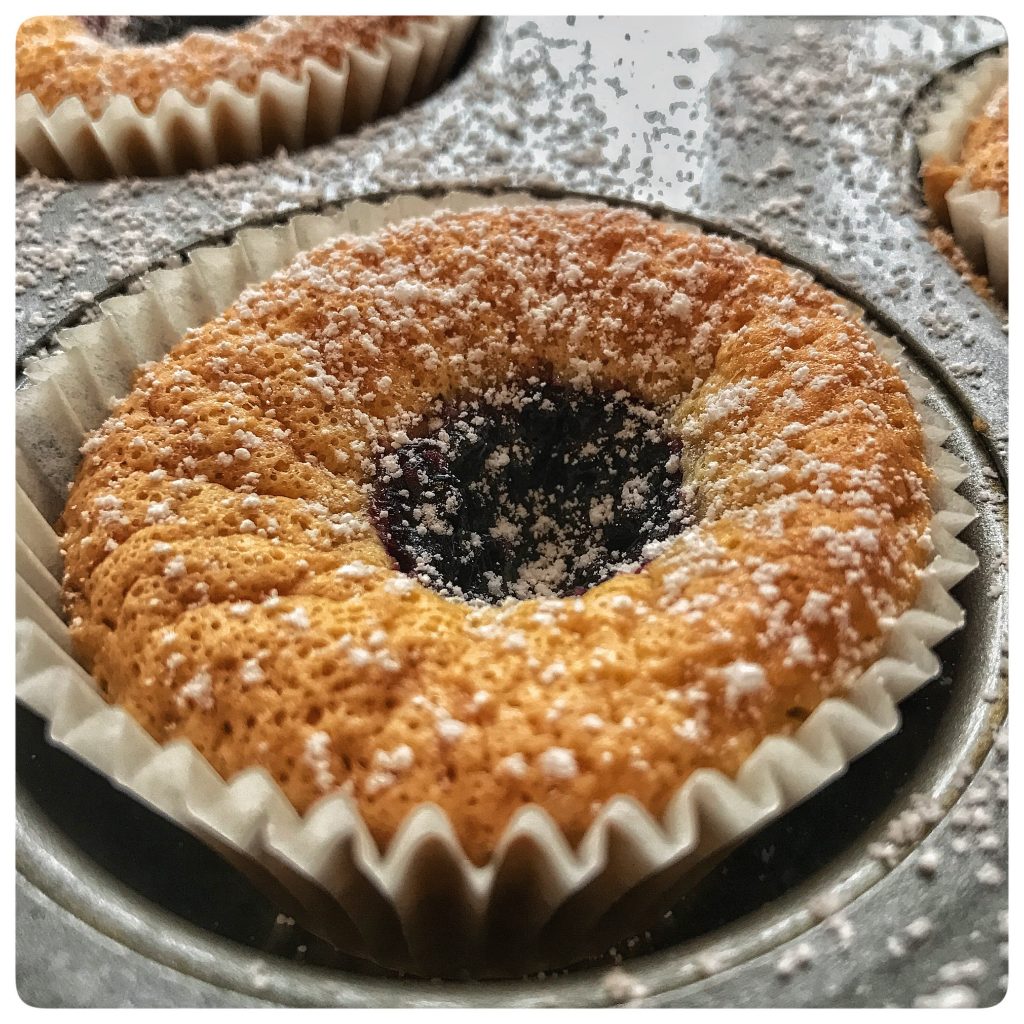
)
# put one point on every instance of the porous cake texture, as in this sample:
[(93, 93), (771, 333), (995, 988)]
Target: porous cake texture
[(229, 579)]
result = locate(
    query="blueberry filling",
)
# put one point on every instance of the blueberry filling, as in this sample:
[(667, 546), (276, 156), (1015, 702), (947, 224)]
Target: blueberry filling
[(155, 29), (529, 491)]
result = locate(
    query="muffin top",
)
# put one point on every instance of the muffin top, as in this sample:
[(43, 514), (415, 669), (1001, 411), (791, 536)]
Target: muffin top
[(270, 543)]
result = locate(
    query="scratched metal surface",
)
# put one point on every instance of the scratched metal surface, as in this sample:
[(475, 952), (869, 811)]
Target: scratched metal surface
[(791, 132)]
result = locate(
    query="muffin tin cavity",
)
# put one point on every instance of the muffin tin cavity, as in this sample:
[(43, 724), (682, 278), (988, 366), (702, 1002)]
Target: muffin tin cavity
[(537, 490)]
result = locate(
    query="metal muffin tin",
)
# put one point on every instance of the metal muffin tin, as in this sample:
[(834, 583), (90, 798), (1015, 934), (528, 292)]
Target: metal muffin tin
[(118, 907)]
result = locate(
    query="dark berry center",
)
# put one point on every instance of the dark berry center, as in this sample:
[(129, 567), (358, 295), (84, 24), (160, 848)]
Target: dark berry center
[(156, 29), (531, 490)]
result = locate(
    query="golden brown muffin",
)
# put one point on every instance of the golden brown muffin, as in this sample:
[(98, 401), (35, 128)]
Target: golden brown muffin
[(226, 584), (59, 57)]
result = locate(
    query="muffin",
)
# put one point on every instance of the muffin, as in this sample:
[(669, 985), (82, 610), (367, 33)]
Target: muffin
[(97, 96), (682, 535), (531, 554), (965, 167)]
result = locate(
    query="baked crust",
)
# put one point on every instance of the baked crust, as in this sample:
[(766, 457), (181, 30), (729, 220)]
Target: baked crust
[(58, 57), (224, 583)]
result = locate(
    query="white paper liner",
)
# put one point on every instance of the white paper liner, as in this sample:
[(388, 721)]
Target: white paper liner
[(421, 905), (233, 126), (980, 229)]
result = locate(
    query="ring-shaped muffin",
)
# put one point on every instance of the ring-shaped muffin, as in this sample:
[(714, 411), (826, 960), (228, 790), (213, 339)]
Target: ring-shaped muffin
[(227, 584)]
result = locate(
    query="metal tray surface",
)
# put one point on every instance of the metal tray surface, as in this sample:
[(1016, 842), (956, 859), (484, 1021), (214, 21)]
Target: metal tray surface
[(888, 888)]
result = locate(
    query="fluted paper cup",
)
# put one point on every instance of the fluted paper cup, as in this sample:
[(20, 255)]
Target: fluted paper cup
[(232, 125), (421, 904)]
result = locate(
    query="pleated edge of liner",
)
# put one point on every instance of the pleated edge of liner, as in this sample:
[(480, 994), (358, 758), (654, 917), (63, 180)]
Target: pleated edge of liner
[(771, 781), (963, 99), (974, 213), (71, 116)]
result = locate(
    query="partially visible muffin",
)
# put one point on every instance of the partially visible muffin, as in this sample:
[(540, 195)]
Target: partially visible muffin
[(60, 57), (983, 159), (123, 96), (965, 168)]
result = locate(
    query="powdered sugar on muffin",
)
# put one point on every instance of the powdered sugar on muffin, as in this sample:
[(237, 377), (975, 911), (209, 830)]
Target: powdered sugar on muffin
[(807, 504)]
